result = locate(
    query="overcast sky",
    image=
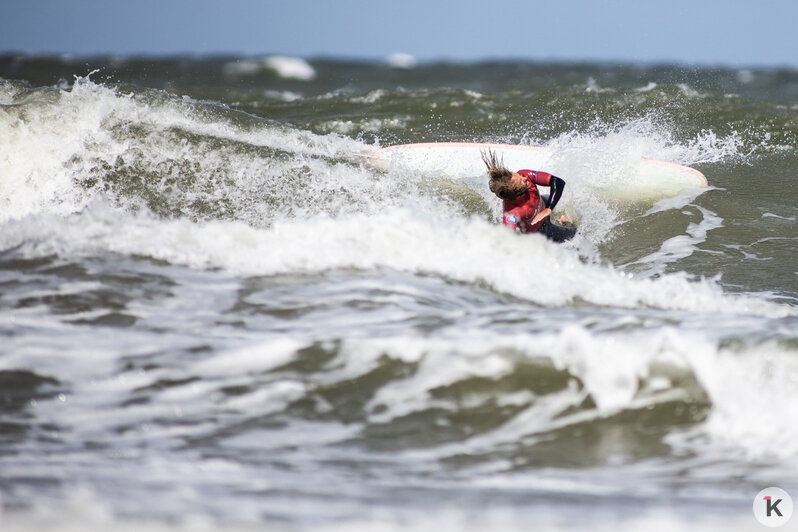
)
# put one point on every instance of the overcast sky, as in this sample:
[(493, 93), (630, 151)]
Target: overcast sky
[(718, 32)]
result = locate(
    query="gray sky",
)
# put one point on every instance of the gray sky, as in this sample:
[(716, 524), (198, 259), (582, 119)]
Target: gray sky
[(723, 32)]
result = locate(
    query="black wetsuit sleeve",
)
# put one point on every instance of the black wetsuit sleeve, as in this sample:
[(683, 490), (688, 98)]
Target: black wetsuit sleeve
[(556, 186)]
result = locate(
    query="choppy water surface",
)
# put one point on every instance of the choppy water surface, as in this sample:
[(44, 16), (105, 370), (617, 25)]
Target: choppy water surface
[(214, 311)]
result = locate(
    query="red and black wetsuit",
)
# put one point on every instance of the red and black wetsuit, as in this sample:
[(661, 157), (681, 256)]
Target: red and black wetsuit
[(519, 212)]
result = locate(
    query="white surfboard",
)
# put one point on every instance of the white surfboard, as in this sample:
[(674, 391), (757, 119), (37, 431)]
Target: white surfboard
[(633, 180)]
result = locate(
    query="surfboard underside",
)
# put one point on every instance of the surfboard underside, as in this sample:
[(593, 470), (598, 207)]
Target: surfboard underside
[(638, 179)]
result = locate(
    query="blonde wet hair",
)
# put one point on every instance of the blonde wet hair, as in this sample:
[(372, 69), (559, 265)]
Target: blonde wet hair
[(499, 176)]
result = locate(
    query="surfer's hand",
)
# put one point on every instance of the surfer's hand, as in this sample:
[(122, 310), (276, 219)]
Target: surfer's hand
[(540, 216)]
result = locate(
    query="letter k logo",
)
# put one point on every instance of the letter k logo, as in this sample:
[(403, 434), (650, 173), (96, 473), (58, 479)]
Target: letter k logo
[(772, 506)]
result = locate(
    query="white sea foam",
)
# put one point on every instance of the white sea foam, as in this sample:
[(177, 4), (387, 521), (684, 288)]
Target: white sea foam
[(592, 86), (257, 358), (61, 142), (40, 176), (651, 86), (753, 391), (616, 370), (290, 67), (475, 251), (285, 96), (401, 60), (614, 146), (283, 66), (346, 127), (750, 390)]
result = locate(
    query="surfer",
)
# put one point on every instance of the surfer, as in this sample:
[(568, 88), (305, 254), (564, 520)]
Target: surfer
[(525, 210)]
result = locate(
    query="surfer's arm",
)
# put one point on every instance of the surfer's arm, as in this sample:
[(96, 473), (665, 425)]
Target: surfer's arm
[(546, 179), (556, 186)]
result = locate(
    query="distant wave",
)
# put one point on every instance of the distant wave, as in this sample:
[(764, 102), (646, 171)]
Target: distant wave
[(401, 60), (283, 66)]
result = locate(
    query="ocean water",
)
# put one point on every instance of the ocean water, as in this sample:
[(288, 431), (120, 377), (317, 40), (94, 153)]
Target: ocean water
[(216, 314)]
